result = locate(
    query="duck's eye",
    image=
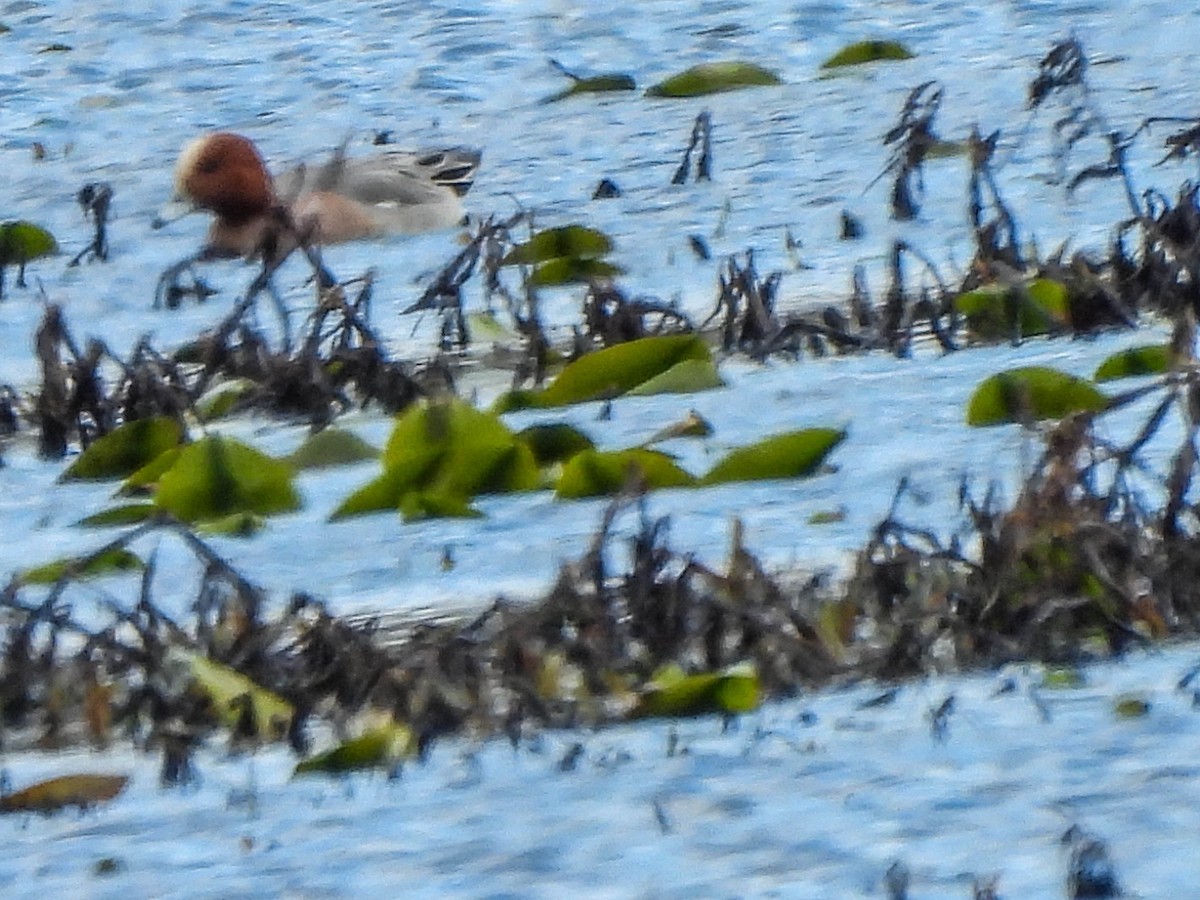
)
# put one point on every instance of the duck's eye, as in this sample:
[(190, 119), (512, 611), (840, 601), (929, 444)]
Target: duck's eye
[(207, 166)]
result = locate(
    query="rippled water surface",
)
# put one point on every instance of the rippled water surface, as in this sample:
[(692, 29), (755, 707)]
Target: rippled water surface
[(810, 811)]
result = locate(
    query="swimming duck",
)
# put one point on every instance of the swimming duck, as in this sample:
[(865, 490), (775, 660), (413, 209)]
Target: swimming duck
[(344, 199)]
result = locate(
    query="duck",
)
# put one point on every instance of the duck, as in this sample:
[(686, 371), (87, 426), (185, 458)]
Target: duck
[(343, 199)]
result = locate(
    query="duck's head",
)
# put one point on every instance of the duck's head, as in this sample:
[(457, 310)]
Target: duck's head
[(225, 174)]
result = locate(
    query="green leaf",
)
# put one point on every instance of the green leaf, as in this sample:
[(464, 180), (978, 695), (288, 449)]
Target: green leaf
[(418, 505), (795, 454), (331, 447), (21, 241), (54, 794), (218, 477), (126, 449), (712, 78), (572, 270), (735, 690), (383, 493), (82, 567), (570, 241), (126, 514), (619, 369), (687, 377), (380, 747), (691, 426), (554, 442), (1150, 359), (149, 474), (1039, 307), (1031, 393), (447, 450), (595, 84), (593, 473), (226, 688), (239, 524), (1131, 706), (222, 399), (867, 52)]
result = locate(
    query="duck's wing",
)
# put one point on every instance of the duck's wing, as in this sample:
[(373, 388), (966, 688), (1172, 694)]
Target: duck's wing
[(394, 177)]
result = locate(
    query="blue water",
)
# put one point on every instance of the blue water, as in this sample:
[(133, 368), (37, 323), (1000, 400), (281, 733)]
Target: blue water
[(803, 812)]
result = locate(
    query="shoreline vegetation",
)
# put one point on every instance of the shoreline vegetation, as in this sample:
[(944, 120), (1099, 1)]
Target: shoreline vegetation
[(1085, 563)]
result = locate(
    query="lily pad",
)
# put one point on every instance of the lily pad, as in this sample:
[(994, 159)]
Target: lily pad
[(118, 516), (331, 447), (1032, 393), (713, 78), (604, 83), (687, 377), (613, 371), (380, 747), (795, 454), (223, 398), (693, 425), (993, 312), (449, 452), (82, 567), (554, 442), (1150, 359), (572, 270), (573, 241), (593, 473), (862, 52), (672, 693), (226, 688), (126, 449), (218, 477), (55, 794), (22, 241)]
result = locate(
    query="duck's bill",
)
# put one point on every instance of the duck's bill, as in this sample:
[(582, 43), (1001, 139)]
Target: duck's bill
[(170, 212)]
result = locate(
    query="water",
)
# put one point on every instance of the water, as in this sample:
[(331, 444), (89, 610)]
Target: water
[(748, 816)]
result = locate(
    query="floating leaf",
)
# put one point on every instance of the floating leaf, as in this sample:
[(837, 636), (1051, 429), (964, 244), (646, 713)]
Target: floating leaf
[(223, 399), (712, 78), (614, 370), (555, 442), (418, 505), (239, 524), (82, 791), (126, 449), (80, 567), (594, 84), (828, 516), (331, 447), (571, 270), (1131, 706), (593, 473), (218, 477), (993, 312), (484, 326), (1063, 678), (867, 52), (1032, 393), (687, 377), (127, 514), (672, 693), (228, 689), (795, 454), (449, 452), (571, 241), (1151, 359), (380, 747), (149, 474), (694, 425), (22, 241)]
